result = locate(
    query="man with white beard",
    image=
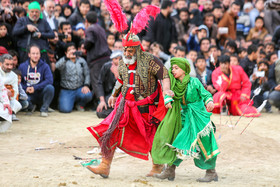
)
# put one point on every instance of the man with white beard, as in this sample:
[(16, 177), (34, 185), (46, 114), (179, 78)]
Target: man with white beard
[(10, 80), (32, 29), (136, 97)]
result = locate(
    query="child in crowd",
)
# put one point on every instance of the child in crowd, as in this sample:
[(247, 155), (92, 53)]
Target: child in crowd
[(80, 29), (5, 39), (261, 56), (67, 10), (234, 61), (204, 74), (22, 97), (14, 54), (111, 40), (259, 31), (192, 55), (242, 53)]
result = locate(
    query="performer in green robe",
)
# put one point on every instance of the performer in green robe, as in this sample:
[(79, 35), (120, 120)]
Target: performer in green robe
[(186, 131)]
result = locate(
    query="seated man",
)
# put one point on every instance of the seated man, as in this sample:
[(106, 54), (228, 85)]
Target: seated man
[(274, 83), (106, 82), (37, 80), (75, 81), (234, 88), (10, 81), (5, 109)]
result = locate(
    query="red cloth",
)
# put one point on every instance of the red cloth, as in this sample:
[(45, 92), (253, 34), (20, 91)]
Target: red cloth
[(3, 50), (134, 134), (230, 89)]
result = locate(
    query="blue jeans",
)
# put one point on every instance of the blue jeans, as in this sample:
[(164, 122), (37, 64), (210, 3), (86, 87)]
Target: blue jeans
[(24, 104), (43, 97), (67, 99), (274, 98)]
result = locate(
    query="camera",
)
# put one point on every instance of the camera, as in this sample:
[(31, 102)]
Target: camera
[(62, 36), (35, 34), (78, 53)]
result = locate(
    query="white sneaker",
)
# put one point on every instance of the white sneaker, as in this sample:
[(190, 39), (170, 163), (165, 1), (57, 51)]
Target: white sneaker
[(14, 118), (51, 110), (44, 114)]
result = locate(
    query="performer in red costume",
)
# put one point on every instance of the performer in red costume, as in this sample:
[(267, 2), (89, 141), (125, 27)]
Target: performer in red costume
[(136, 97), (234, 88)]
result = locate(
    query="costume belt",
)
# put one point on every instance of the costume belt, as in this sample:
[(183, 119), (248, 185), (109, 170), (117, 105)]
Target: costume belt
[(132, 106)]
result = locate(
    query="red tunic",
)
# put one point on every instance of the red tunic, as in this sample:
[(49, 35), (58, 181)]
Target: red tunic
[(230, 89), (135, 133)]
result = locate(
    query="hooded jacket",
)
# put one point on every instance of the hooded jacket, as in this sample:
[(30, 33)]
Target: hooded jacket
[(38, 77)]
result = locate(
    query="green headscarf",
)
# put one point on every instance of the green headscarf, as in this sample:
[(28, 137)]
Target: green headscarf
[(171, 125), (182, 63), (35, 5)]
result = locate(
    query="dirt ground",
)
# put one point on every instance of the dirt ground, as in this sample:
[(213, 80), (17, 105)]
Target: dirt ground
[(250, 159)]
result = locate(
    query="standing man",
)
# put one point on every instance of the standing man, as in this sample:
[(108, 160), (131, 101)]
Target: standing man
[(49, 14), (229, 21), (163, 29), (75, 81), (98, 52), (37, 80), (79, 16), (32, 29), (134, 98), (10, 80)]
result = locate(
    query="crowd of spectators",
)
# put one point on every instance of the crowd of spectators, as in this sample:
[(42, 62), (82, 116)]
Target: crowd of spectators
[(64, 54)]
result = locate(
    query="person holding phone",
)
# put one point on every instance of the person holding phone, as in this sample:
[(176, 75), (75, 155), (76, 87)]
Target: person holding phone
[(260, 79), (75, 80)]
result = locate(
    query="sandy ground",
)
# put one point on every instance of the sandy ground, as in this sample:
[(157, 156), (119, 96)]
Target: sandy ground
[(250, 159)]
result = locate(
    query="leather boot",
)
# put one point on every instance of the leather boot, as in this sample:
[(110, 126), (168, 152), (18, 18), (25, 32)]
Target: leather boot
[(211, 175), (168, 173), (156, 169), (104, 167)]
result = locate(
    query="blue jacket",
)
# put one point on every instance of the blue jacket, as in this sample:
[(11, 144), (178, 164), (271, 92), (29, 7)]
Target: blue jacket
[(24, 37), (38, 77), (193, 43)]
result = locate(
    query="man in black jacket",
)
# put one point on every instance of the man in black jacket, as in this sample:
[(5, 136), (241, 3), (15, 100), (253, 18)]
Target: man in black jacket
[(249, 62), (79, 16), (106, 82), (98, 52), (32, 29), (163, 29)]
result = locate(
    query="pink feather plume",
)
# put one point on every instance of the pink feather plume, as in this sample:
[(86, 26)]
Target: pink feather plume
[(118, 17), (142, 19)]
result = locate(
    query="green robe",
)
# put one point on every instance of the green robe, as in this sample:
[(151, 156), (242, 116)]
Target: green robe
[(194, 138)]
